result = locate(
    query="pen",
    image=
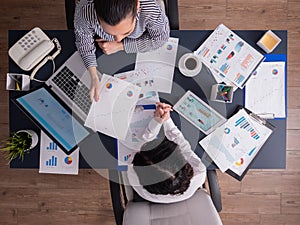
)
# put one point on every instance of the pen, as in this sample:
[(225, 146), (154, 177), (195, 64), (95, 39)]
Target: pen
[(266, 115), (18, 83)]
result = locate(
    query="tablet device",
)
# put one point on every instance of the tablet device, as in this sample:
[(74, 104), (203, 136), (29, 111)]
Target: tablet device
[(53, 117), (199, 113)]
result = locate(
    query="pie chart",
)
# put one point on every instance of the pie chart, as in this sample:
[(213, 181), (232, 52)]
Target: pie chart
[(239, 162), (68, 160)]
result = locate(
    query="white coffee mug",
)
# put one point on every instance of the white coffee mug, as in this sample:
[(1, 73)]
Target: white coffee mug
[(189, 65)]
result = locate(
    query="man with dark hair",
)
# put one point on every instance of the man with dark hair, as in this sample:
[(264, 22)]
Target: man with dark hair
[(116, 25)]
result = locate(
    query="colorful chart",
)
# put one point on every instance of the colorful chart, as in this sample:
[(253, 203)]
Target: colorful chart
[(244, 124), (226, 130), (251, 151), (275, 71), (108, 85), (68, 160), (235, 142), (239, 78), (240, 162), (130, 93), (52, 146), (169, 47), (52, 161), (126, 157)]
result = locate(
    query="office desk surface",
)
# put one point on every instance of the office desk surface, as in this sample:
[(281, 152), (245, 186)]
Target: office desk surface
[(271, 156)]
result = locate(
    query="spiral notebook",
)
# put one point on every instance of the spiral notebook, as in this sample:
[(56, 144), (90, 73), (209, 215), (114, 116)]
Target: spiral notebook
[(234, 144)]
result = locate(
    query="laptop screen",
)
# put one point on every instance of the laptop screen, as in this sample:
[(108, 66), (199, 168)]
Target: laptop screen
[(54, 118)]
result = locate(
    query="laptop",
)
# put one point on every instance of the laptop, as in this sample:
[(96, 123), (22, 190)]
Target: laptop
[(51, 105), (71, 83)]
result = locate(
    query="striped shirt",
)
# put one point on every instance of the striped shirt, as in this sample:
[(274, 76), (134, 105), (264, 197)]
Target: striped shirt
[(151, 30)]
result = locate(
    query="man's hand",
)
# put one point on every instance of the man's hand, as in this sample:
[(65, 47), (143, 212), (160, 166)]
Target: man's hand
[(110, 47), (162, 112)]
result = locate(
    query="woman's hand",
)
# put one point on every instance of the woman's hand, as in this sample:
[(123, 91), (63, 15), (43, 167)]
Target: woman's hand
[(110, 47), (95, 84), (162, 112)]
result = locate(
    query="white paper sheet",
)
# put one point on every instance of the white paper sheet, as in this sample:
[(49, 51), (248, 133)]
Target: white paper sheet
[(140, 78), (112, 113), (234, 144), (230, 58), (265, 90), (54, 160), (133, 141), (160, 64)]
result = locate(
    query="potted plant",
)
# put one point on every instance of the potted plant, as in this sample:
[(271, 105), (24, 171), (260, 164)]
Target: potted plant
[(19, 143)]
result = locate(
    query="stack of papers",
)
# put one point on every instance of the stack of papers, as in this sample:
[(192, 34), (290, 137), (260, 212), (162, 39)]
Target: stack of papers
[(234, 144), (230, 59), (112, 113), (265, 91)]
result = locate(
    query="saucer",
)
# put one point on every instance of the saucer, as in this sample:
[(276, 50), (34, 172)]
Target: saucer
[(186, 71)]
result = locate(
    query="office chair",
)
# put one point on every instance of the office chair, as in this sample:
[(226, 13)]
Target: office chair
[(200, 209), (170, 6)]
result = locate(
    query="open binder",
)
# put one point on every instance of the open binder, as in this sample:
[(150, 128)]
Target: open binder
[(235, 144)]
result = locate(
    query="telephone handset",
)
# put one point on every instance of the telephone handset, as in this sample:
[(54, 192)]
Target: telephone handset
[(49, 57), (31, 49)]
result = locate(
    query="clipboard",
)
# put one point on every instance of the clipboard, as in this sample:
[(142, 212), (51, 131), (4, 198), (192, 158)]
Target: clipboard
[(126, 149), (234, 145), (260, 102)]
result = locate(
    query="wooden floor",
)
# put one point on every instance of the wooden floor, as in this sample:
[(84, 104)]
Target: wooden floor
[(264, 197)]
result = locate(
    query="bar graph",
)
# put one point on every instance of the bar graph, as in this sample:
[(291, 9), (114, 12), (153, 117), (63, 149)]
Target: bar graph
[(244, 124), (52, 146), (52, 161)]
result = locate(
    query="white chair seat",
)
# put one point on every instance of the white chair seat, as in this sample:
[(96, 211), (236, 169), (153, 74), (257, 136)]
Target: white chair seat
[(198, 210)]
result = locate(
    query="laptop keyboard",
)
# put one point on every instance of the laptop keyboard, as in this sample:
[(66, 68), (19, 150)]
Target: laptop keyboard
[(73, 88)]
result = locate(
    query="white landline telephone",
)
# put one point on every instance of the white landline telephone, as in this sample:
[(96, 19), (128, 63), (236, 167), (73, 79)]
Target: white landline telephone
[(32, 48)]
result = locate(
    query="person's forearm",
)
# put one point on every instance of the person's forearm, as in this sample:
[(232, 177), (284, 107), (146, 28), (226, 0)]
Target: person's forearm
[(152, 130), (93, 73)]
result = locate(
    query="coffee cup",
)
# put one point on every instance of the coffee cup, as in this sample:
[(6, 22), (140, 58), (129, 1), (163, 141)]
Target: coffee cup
[(189, 65)]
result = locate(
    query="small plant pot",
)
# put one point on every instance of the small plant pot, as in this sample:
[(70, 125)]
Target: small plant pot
[(19, 143), (34, 138)]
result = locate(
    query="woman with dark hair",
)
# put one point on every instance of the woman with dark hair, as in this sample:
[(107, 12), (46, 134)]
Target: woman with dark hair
[(168, 171), (117, 25)]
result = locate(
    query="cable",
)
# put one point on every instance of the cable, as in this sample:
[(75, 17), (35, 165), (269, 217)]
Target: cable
[(45, 60)]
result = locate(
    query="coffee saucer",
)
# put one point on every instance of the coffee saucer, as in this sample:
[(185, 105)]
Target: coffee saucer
[(189, 65)]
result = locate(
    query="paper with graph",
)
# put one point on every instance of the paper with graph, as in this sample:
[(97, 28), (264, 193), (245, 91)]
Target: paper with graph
[(265, 90), (234, 144), (54, 160), (111, 115), (140, 78), (229, 57), (133, 142), (160, 64)]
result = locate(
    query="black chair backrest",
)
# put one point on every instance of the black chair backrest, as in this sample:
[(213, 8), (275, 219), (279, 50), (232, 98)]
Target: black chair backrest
[(70, 11), (170, 5)]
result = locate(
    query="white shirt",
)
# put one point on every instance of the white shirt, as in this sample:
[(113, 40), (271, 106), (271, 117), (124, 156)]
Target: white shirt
[(173, 134)]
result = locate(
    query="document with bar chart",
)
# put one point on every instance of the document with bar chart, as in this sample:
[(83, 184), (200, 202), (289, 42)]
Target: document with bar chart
[(234, 144), (54, 160), (229, 58)]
